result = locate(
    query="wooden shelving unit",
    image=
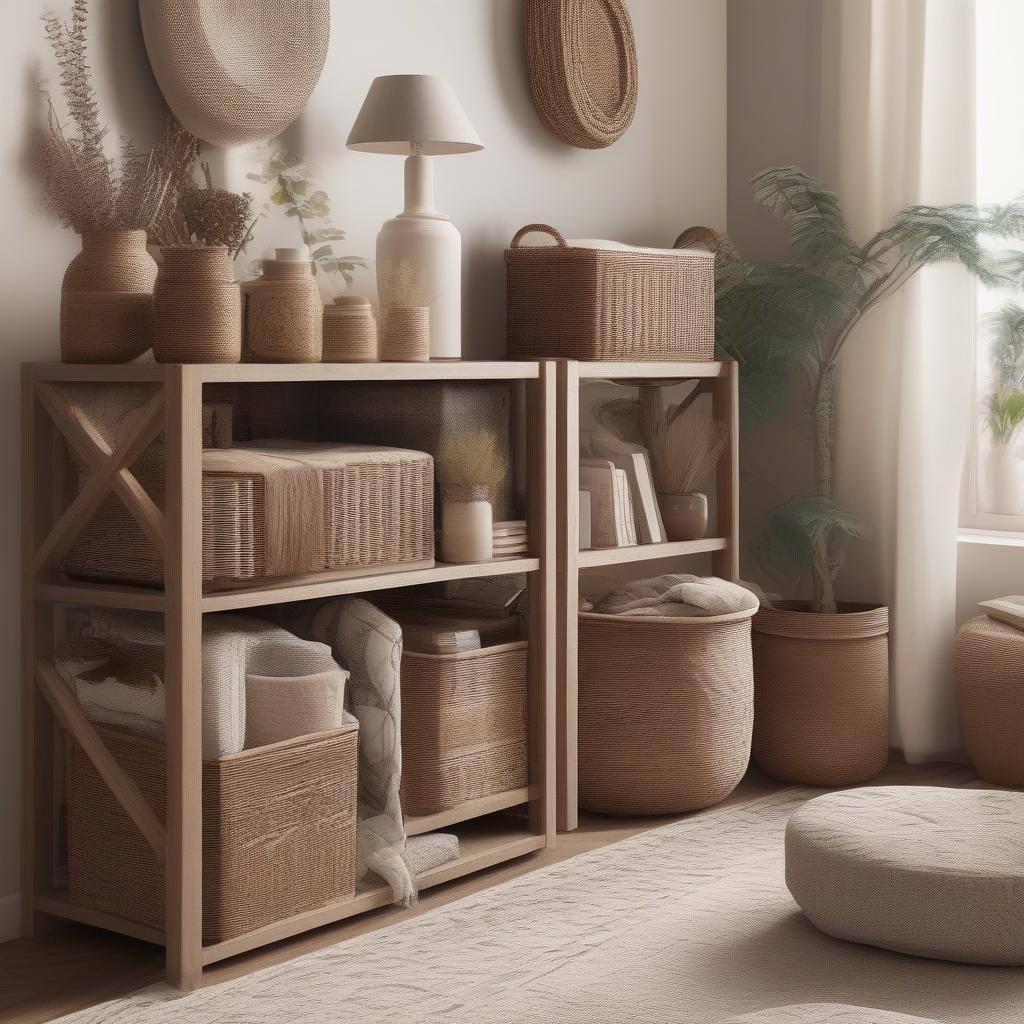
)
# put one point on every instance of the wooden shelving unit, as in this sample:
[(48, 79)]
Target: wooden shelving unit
[(487, 837), (719, 380)]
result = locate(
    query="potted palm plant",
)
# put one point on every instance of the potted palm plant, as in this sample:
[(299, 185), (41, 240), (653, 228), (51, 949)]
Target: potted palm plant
[(821, 666), (1004, 408)]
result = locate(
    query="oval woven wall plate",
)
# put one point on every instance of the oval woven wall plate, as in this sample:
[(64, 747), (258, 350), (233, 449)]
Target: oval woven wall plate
[(235, 73), (581, 56)]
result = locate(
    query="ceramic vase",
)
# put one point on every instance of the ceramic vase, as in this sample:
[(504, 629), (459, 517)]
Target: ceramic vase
[(685, 515), (350, 331), (106, 308), (1005, 481), (197, 310), (284, 314), (467, 525)]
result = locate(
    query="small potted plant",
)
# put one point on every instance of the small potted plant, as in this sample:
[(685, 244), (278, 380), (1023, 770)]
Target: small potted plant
[(469, 468)]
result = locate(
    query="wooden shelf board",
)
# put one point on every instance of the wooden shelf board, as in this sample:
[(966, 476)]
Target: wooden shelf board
[(483, 843), (656, 370), (58, 903), (416, 826), (331, 585), (101, 595), (644, 552)]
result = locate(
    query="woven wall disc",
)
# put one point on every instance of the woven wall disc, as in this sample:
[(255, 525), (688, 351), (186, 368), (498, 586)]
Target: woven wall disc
[(235, 73), (581, 56)]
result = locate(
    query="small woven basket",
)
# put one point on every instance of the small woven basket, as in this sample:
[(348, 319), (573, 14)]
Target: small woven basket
[(464, 726), (278, 832), (284, 313), (990, 680), (569, 302), (350, 331), (666, 707), (405, 334)]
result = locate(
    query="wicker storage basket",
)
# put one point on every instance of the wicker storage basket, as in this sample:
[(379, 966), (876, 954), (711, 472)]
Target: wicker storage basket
[(666, 707), (464, 726), (376, 507), (990, 678), (592, 304), (278, 832), (821, 694)]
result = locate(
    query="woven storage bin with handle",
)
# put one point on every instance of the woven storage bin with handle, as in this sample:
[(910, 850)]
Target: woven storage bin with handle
[(278, 832), (629, 304), (666, 709), (464, 726)]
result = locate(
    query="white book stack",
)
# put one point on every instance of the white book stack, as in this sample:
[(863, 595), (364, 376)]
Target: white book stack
[(612, 520)]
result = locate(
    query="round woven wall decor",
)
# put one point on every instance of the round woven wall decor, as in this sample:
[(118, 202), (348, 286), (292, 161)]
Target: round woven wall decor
[(235, 73), (581, 56)]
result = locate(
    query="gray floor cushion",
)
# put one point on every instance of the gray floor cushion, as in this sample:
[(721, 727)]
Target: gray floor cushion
[(828, 1013), (922, 870)]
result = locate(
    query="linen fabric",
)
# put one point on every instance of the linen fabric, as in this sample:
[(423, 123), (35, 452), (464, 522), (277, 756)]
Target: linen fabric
[(827, 1013), (677, 594)]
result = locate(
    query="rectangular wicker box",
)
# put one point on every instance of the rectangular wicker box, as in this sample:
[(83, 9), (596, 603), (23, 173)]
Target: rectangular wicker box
[(278, 832), (464, 726), (569, 302), (377, 509)]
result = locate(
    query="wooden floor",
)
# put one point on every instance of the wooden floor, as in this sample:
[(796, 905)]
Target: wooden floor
[(75, 967)]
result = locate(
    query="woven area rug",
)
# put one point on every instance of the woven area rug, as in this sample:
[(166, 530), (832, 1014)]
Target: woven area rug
[(687, 924)]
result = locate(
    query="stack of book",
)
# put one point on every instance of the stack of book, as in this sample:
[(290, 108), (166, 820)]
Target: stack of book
[(618, 504), (510, 539)]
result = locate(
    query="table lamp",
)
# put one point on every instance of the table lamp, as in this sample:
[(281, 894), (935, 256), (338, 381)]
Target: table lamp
[(419, 116)]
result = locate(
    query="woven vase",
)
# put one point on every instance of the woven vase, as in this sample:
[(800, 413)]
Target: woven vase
[(106, 306), (284, 314), (821, 693), (685, 515), (350, 331), (197, 306), (405, 334)]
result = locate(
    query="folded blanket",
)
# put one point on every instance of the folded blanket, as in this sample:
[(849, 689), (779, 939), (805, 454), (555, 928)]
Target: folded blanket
[(677, 595)]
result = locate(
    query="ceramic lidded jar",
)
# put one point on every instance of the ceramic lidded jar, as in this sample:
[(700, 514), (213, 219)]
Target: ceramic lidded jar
[(284, 314), (350, 331), (197, 307), (467, 524), (106, 307)]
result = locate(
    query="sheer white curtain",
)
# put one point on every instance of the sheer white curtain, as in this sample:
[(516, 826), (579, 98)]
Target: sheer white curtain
[(898, 129)]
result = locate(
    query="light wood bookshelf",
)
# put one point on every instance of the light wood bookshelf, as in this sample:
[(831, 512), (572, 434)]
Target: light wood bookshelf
[(720, 381), (487, 836)]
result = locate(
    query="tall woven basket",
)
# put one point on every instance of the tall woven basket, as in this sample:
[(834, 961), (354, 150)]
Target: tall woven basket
[(821, 694), (278, 832), (666, 707), (575, 302)]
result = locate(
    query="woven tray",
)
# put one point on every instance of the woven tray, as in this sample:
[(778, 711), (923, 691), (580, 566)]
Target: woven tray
[(464, 726), (278, 832)]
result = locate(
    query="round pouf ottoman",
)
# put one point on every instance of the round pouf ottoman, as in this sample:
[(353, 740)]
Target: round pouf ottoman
[(827, 1013), (666, 708), (990, 678), (922, 870)]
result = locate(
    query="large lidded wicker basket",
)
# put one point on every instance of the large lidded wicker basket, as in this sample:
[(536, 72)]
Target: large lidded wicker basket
[(666, 710), (464, 726), (615, 303), (278, 832)]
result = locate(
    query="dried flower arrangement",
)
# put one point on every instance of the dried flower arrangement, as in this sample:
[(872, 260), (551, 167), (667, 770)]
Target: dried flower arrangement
[(472, 464), (85, 189)]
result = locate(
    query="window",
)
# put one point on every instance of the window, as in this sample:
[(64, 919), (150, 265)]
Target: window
[(994, 484)]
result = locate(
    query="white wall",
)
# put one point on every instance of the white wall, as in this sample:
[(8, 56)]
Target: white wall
[(667, 172)]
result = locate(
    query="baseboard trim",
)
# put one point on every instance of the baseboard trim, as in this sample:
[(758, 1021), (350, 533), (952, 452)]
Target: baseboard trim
[(10, 916)]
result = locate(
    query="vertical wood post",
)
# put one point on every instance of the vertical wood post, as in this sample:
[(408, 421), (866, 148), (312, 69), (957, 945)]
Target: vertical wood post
[(183, 570), (725, 407), (568, 469)]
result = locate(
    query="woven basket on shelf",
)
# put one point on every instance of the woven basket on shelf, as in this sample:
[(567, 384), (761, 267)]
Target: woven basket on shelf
[(284, 313), (821, 693), (106, 304), (665, 711), (350, 331), (464, 726), (990, 680), (197, 313), (576, 302), (581, 57), (278, 832)]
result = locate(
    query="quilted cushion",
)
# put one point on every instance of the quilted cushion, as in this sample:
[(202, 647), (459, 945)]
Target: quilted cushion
[(827, 1013), (933, 872)]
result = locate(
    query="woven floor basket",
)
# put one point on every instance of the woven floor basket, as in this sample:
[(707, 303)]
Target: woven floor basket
[(566, 302), (464, 726), (278, 833), (665, 711), (990, 678), (821, 694)]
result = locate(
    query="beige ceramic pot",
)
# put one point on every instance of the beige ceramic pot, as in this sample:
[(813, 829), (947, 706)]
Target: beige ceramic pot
[(821, 693), (106, 308), (685, 515), (284, 313)]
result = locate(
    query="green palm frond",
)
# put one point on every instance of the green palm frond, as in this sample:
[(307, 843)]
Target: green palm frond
[(1005, 330), (1004, 415)]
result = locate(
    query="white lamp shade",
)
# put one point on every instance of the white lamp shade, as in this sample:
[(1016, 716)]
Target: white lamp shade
[(404, 115)]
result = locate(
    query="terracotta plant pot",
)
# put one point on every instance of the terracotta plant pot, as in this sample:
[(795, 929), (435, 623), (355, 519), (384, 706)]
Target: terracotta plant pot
[(821, 693), (106, 307), (685, 515)]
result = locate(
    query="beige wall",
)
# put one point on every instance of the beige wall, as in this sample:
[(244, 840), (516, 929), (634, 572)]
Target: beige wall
[(666, 173)]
